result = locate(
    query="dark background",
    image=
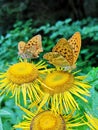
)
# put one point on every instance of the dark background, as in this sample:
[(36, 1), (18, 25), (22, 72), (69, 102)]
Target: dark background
[(44, 11)]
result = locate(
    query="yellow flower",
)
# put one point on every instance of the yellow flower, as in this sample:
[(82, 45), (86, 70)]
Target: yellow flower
[(22, 78), (48, 120), (60, 90), (93, 122)]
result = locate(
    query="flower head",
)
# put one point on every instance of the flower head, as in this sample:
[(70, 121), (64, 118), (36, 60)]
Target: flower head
[(22, 78), (48, 120), (22, 72), (60, 89)]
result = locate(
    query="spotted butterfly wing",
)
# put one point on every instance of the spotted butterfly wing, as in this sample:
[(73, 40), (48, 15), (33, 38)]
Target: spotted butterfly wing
[(37, 41), (64, 49), (65, 53), (75, 43), (61, 55), (32, 48)]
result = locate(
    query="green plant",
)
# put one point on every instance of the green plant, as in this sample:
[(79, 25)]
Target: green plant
[(10, 114), (51, 33), (87, 27), (22, 31)]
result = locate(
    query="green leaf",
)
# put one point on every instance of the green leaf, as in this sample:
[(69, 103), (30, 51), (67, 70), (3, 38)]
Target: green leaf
[(4, 113), (1, 125)]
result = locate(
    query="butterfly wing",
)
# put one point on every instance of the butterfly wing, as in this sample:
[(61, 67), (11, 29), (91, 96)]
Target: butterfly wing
[(56, 59), (32, 48), (64, 49), (35, 44), (75, 43), (21, 46), (21, 50)]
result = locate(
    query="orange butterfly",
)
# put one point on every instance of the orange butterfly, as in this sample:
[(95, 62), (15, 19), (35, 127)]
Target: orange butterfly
[(31, 49), (65, 52)]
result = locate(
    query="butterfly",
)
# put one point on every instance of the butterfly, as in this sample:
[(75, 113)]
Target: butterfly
[(31, 49), (65, 53)]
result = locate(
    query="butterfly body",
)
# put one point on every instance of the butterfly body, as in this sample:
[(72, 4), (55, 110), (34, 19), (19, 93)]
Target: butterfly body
[(65, 52), (31, 49)]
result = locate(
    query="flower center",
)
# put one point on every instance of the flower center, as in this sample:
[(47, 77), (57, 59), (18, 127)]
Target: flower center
[(47, 121), (22, 72), (58, 82)]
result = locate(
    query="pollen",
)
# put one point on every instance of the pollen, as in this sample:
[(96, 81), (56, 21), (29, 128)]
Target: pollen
[(22, 72)]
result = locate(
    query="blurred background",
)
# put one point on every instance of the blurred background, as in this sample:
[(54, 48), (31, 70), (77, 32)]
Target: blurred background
[(42, 12), (53, 19)]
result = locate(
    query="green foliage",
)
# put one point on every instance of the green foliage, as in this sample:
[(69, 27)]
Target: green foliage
[(50, 34), (87, 27), (8, 50), (92, 105), (10, 114), (93, 100)]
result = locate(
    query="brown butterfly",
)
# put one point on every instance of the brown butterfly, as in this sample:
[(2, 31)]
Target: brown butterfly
[(31, 49), (65, 52)]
